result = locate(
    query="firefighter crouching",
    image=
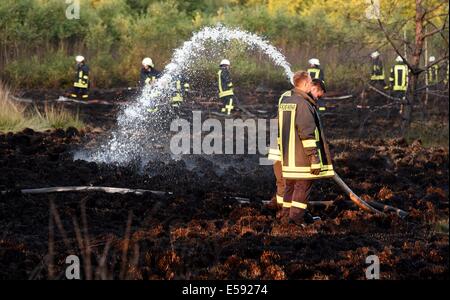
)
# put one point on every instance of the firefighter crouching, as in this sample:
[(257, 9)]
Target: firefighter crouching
[(81, 83), (225, 85), (305, 155)]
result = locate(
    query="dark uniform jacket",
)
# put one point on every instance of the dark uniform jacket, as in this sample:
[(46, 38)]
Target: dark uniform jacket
[(148, 76), (182, 87), (82, 77), (225, 84), (316, 73), (301, 135), (377, 70), (399, 77)]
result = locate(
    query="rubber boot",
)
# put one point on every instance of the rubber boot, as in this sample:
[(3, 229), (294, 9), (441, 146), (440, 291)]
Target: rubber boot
[(283, 216), (296, 216)]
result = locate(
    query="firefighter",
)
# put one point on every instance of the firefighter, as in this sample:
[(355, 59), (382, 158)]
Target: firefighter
[(399, 80), (316, 72), (148, 76), (305, 156), (225, 85), (377, 77), (81, 83), (181, 89), (317, 91), (433, 72), (148, 73), (314, 69)]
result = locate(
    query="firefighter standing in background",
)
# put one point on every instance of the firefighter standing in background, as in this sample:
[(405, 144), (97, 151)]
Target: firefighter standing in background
[(181, 89), (399, 80), (317, 91), (225, 85), (377, 77), (316, 72), (433, 72), (304, 151), (81, 83)]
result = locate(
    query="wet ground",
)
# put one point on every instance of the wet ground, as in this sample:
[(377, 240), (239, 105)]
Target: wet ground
[(201, 231)]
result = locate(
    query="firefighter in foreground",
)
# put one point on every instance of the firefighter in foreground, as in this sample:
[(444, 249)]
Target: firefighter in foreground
[(225, 85), (377, 77), (318, 90), (305, 156), (81, 83), (399, 80)]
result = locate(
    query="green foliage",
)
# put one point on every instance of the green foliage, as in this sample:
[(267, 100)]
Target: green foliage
[(39, 43)]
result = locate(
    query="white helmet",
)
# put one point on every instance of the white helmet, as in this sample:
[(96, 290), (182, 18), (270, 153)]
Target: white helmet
[(432, 59), (399, 59), (225, 62), (314, 61), (79, 58), (148, 62), (375, 54)]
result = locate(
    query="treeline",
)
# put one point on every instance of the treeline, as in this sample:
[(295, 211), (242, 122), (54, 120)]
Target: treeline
[(38, 42)]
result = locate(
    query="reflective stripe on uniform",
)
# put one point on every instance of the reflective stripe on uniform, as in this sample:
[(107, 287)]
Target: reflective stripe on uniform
[(400, 78), (322, 108), (309, 143), (299, 205), (229, 107), (280, 199), (274, 154), (376, 77), (306, 175), (314, 73), (226, 93), (80, 85), (287, 204), (222, 92)]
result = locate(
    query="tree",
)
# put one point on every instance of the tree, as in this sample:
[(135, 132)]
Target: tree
[(426, 13)]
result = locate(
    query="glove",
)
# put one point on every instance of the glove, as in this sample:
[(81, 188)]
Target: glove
[(314, 161)]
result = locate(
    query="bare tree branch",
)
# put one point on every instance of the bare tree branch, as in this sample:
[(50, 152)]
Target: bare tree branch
[(388, 37)]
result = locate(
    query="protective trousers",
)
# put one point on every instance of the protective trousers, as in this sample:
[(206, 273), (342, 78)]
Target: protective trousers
[(296, 197)]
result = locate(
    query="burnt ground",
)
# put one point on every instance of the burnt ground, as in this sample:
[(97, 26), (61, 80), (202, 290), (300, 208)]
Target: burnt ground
[(201, 231)]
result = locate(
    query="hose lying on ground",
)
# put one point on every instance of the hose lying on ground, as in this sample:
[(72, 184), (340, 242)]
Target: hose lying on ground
[(110, 190), (372, 206), (358, 201)]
